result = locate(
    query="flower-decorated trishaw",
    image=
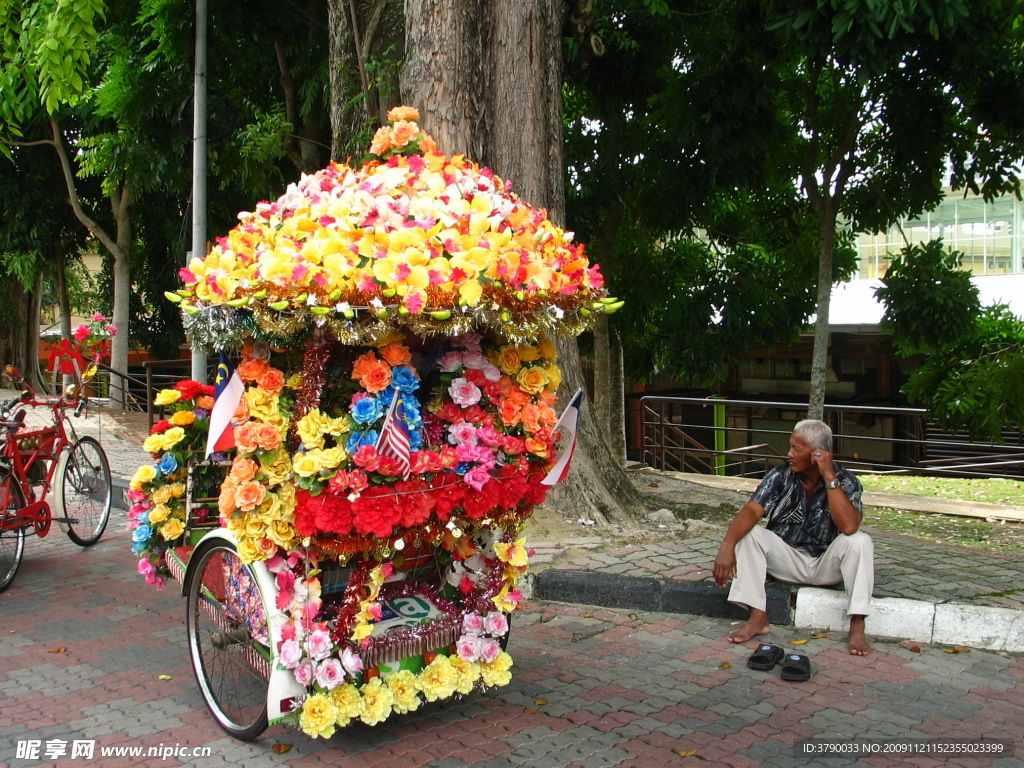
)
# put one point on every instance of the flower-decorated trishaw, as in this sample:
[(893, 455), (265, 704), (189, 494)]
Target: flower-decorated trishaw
[(355, 552)]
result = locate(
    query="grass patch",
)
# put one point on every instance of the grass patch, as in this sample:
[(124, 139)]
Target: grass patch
[(996, 491), (970, 532)]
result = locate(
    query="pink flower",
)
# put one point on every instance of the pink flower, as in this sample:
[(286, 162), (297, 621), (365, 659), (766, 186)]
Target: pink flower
[(304, 673), (450, 362), (112, 330), (461, 433), (468, 647), (98, 317), (489, 649), (290, 654), (351, 662), (464, 392), (479, 454), (474, 358), (477, 478), (81, 332), (496, 624), (473, 624), (135, 496), (489, 436), (330, 674)]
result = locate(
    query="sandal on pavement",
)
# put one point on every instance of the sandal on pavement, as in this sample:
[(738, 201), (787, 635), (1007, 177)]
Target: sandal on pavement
[(765, 657), (796, 668)]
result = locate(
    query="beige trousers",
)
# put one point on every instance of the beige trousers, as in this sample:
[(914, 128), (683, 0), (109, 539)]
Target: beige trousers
[(849, 559)]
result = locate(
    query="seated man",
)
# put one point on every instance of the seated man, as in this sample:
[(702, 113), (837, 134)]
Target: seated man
[(813, 510)]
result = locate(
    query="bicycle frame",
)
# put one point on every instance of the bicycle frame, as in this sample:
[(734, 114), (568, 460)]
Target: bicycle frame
[(22, 450)]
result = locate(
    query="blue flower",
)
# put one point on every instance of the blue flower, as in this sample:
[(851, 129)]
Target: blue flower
[(168, 464), (415, 441), (142, 533), (405, 379), (367, 410), (356, 439)]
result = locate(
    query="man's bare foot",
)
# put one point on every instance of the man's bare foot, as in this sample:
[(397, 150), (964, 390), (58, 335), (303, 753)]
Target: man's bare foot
[(756, 625), (856, 639)]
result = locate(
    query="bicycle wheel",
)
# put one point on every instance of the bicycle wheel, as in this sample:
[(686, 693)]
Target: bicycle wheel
[(231, 667), (83, 491), (12, 540)]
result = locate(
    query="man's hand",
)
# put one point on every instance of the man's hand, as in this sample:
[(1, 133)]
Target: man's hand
[(823, 460), (725, 565)]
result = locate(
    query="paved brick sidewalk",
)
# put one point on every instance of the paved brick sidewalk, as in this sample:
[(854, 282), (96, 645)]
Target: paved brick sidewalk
[(84, 643)]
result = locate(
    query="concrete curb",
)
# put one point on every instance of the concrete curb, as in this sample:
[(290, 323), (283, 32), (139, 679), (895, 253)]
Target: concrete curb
[(978, 626), (700, 598)]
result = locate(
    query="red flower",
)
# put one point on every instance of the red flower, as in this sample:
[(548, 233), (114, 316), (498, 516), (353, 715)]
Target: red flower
[(189, 389), (161, 426), (367, 458)]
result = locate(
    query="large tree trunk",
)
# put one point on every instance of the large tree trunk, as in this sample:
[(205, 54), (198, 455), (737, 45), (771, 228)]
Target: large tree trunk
[(609, 388), (819, 355), (348, 111), (486, 76), (121, 203), (16, 338)]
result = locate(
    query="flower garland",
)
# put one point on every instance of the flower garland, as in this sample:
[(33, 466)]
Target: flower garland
[(157, 516), (94, 337), (411, 238)]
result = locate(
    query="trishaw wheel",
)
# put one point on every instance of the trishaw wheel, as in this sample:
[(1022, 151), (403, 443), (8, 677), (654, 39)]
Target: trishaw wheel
[(83, 492), (12, 540), (231, 667)]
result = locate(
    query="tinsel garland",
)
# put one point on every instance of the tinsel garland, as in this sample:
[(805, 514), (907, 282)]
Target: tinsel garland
[(341, 632), (314, 363), (218, 327)]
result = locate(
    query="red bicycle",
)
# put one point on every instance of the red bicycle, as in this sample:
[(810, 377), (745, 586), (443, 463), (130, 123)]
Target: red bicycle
[(34, 460)]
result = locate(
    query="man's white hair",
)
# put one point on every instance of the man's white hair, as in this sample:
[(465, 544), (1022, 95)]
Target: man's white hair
[(817, 434)]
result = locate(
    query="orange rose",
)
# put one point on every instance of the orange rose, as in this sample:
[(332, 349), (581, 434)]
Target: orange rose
[(530, 415), (377, 377), (205, 402), (363, 364), (403, 113), (272, 381), (548, 397), (249, 495), (509, 412), (226, 500), (252, 368), (509, 391), (245, 437), (548, 417), (268, 437), (241, 412), (427, 144), (243, 469), (403, 132), (509, 360), (396, 354), (381, 142), (538, 447), (182, 418)]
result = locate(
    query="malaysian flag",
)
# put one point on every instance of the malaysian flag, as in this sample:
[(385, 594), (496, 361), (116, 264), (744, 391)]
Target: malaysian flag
[(394, 435), (567, 429), (227, 393)]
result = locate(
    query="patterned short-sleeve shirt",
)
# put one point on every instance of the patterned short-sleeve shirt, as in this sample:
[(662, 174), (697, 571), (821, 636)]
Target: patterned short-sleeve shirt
[(801, 522)]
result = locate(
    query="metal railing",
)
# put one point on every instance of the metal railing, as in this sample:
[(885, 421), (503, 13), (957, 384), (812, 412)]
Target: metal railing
[(156, 380), (747, 437)]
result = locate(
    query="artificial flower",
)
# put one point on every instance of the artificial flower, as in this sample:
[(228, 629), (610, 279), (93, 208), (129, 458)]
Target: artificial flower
[(318, 716)]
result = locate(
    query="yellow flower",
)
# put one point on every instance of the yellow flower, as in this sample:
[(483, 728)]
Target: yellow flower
[(437, 680), (513, 553), (404, 691), (172, 437), (498, 671), (554, 376), (167, 396), (154, 443), (508, 360), (532, 380), (159, 513), (249, 550), (281, 533), (528, 354), (348, 702), (160, 495), (546, 347), (377, 701), (310, 429), (182, 418), (318, 716), (307, 464), (332, 457), (177, 490), (501, 601), (277, 465), (262, 404), (144, 474), (468, 674), (172, 529)]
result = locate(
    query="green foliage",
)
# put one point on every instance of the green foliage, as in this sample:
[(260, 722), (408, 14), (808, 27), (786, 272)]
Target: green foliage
[(976, 384), (930, 303)]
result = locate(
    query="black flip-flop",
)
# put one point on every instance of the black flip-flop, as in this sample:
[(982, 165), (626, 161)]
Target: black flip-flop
[(796, 668), (765, 657)]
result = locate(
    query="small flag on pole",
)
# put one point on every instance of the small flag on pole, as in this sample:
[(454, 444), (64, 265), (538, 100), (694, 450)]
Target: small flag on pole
[(568, 426), (394, 435), (227, 393)]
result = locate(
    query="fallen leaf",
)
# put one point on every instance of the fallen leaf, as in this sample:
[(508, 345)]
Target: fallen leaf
[(163, 677), (956, 649), (687, 752), (911, 646), (281, 748), (586, 615), (726, 665), (57, 650), (652, 485), (820, 636), (797, 642), (531, 711), (540, 702), (633, 616)]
